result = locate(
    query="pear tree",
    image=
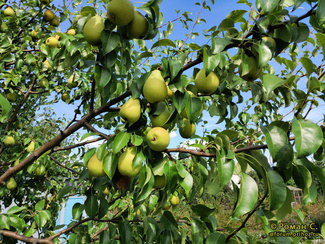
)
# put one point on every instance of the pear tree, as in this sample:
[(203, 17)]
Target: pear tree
[(117, 79)]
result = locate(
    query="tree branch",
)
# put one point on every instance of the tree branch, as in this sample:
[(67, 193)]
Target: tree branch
[(60, 137), (63, 166), (89, 127), (24, 238), (76, 145)]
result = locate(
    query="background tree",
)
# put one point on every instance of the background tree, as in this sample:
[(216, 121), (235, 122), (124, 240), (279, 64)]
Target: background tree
[(260, 59)]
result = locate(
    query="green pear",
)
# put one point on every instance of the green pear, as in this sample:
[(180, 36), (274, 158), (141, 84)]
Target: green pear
[(65, 97), (55, 22), (31, 147), (124, 164), (40, 170), (71, 32), (131, 110), (160, 181), (95, 166), (155, 89), (52, 42), (3, 27), (138, 27), (11, 184), (161, 119), (174, 200), (206, 84), (92, 30), (34, 34), (158, 139), (47, 65), (72, 82), (9, 11), (11, 97), (269, 42), (188, 130), (49, 15), (169, 92), (120, 12), (43, 83), (254, 71), (20, 125), (9, 141)]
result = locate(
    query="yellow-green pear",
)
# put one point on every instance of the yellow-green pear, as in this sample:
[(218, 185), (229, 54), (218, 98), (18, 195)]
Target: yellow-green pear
[(206, 84), (9, 11), (43, 83), (160, 181), (34, 34), (11, 184), (55, 22), (161, 119), (120, 12), (31, 147), (47, 65), (3, 27), (158, 139), (188, 130), (125, 166), (174, 200), (65, 96), (138, 27), (106, 192), (9, 141), (166, 206), (155, 89), (269, 42), (131, 110), (52, 42), (95, 166), (254, 71), (169, 92), (40, 170), (11, 97), (20, 125), (49, 15), (72, 82), (92, 30), (71, 32)]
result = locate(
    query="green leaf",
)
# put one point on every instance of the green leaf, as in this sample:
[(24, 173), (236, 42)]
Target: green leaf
[(104, 238), (16, 222), (210, 61), (5, 105), (247, 198), (279, 145), (103, 207), (286, 208), (65, 190), (15, 209), (168, 221), (277, 190), (40, 205), (320, 12), (120, 141), (91, 205), (85, 11), (110, 164), (194, 108), (323, 230), (180, 100), (225, 169), (102, 77), (268, 5), (125, 232), (77, 210), (308, 65), (271, 82), (308, 137), (150, 229), (139, 158), (163, 42), (41, 218), (218, 44), (197, 230), (4, 222), (202, 210), (320, 37), (216, 237), (136, 140), (110, 40), (265, 54)]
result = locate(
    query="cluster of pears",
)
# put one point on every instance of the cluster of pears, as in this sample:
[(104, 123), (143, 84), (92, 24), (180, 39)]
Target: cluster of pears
[(120, 13), (51, 17)]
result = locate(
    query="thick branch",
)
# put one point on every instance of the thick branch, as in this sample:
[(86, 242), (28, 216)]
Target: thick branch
[(24, 238), (60, 137)]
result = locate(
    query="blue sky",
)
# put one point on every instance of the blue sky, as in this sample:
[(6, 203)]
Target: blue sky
[(218, 12)]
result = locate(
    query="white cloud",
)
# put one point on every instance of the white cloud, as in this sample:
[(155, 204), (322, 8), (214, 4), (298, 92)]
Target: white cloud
[(173, 134)]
